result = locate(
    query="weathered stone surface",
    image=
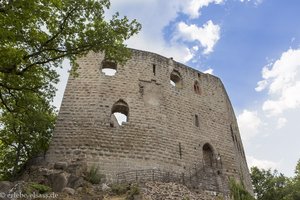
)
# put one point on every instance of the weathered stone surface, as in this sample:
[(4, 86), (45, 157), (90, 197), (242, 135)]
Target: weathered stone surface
[(58, 181), (61, 165), (174, 191), (186, 133), (105, 187), (77, 169), (37, 160), (5, 186), (75, 181), (69, 191)]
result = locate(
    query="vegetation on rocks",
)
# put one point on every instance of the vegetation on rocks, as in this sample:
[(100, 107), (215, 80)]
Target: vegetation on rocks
[(93, 175), (39, 187), (238, 191)]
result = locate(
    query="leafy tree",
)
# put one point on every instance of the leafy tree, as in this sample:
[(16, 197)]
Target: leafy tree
[(268, 185), (293, 187), (273, 185), (26, 131), (35, 36), (238, 191)]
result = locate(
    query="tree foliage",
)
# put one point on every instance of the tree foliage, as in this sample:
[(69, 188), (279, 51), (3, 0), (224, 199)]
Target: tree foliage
[(273, 185), (26, 131), (35, 37), (293, 187), (238, 191), (267, 184)]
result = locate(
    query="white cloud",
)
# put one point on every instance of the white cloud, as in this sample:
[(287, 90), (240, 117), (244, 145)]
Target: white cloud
[(154, 15), (162, 13), (262, 164), (192, 8), (64, 75), (282, 80), (195, 48), (281, 122), (144, 41), (256, 2), (188, 56), (249, 124), (278, 114), (209, 71), (207, 35), (261, 85)]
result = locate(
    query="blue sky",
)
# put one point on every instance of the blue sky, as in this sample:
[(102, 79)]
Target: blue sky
[(252, 45)]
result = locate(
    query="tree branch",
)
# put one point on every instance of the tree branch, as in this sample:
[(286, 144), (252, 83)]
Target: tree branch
[(4, 102), (19, 88), (66, 53), (61, 28)]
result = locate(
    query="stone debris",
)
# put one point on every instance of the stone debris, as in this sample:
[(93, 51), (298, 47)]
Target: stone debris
[(58, 181), (61, 165), (69, 191), (174, 191)]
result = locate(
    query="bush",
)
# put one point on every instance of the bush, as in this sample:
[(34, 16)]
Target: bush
[(129, 189), (238, 191), (93, 175), (120, 188), (40, 188), (133, 191)]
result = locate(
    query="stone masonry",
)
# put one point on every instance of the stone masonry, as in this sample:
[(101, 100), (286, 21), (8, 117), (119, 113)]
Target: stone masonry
[(184, 132)]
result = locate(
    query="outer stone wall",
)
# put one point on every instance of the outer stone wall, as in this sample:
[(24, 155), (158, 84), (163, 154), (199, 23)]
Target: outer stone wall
[(161, 139)]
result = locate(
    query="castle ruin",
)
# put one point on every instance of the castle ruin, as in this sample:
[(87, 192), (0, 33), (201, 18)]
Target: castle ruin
[(184, 132)]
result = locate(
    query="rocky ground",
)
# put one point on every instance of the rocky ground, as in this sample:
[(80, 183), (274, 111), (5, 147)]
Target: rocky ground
[(74, 182)]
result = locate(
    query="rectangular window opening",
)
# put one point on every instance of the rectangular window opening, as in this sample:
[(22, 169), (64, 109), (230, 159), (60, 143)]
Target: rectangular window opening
[(154, 69), (180, 152), (196, 120)]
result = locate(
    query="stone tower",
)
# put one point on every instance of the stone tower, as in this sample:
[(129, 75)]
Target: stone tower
[(184, 132)]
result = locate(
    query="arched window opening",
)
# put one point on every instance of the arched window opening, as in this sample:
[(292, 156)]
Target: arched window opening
[(175, 79), (197, 87), (199, 76), (109, 68), (120, 117), (196, 120), (119, 113), (172, 83), (208, 155)]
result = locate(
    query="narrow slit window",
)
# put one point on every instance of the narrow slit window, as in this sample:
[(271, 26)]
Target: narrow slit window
[(154, 69), (232, 135), (196, 121), (180, 151), (197, 87)]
